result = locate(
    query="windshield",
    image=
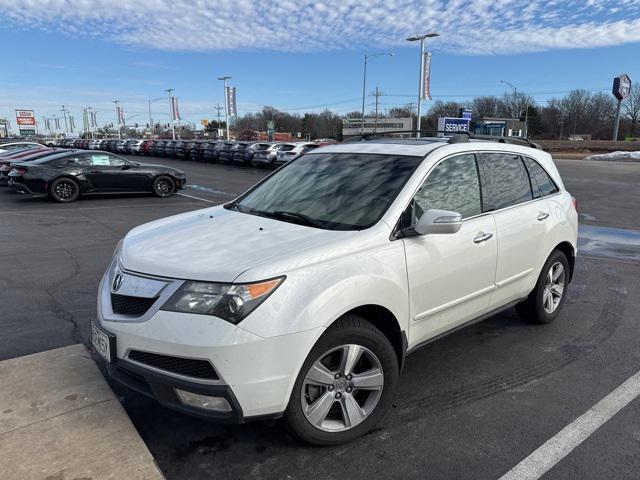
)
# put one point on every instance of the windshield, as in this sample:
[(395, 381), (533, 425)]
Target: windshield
[(335, 191)]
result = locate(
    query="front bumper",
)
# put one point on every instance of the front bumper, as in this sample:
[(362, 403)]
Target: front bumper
[(162, 388), (255, 374)]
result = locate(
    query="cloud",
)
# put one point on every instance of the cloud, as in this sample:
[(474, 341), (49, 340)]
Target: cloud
[(469, 27)]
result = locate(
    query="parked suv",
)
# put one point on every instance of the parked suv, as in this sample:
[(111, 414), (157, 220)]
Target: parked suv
[(302, 297), (286, 154)]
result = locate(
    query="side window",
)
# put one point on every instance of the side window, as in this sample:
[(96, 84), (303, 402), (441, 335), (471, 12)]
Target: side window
[(505, 181), (116, 161), (98, 160), (540, 181), (452, 185)]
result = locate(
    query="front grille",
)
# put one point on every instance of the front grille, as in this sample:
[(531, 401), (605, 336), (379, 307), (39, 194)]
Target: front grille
[(182, 366), (132, 306)]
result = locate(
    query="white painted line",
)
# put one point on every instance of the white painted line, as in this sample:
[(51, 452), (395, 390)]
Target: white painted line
[(566, 440), (196, 198)]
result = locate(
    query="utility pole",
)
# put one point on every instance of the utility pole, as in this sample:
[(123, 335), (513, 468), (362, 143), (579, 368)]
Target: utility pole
[(226, 107), (173, 127), (118, 117), (66, 125), (421, 74), (218, 109)]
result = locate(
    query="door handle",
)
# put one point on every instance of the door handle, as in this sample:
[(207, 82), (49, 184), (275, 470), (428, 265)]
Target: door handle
[(482, 237), (542, 216)]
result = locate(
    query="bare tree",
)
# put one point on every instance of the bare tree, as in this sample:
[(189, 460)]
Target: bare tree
[(487, 106), (631, 107)]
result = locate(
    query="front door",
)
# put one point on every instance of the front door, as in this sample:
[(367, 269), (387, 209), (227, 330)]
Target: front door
[(451, 276)]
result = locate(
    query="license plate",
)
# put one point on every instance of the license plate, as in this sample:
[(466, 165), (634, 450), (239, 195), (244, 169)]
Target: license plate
[(101, 342)]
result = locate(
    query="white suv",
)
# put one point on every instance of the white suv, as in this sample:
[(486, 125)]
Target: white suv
[(302, 297)]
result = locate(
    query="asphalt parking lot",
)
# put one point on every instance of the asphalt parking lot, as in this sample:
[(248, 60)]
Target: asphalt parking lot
[(470, 406)]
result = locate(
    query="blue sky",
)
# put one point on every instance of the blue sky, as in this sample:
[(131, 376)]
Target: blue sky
[(301, 55)]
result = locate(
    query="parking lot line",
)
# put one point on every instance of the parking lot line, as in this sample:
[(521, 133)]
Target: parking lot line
[(566, 440), (196, 198), (67, 210)]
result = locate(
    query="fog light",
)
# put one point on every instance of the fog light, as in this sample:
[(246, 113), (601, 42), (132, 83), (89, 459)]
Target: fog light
[(217, 404)]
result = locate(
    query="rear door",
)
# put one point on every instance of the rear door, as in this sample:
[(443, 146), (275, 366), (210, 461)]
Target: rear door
[(522, 223)]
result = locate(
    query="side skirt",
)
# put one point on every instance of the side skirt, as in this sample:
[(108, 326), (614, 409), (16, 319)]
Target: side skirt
[(464, 325)]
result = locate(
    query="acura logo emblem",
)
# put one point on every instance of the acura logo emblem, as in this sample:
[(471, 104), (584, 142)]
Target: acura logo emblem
[(117, 282)]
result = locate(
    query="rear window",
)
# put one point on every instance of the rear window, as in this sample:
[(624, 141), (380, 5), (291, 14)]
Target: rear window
[(286, 148), (541, 182)]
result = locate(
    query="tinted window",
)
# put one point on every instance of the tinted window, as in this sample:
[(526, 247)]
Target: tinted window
[(540, 180), (452, 185), (337, 191), (505, 181)]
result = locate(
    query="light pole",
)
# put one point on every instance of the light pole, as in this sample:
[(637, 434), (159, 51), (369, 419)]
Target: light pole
[(367, 59), (415, 38), (226, 112), (118, 117), (173, 127), (526, 111), (151, 128)]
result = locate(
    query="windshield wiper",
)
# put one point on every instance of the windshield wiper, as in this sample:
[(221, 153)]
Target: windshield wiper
[(283, 215), (299, 217)]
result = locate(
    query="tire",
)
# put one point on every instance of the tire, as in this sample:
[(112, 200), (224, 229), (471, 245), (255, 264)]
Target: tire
[(539, 307), (64, 190), (164, 186), (352, 334)]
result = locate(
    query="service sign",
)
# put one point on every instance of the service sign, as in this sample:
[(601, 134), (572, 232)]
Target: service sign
[(451, 126), (26, 121), (621, 86)]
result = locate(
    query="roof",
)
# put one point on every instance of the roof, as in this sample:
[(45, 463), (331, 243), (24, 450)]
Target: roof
[(386, 145)]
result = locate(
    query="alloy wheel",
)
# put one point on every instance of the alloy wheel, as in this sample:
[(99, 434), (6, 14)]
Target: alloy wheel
[(342, 388), (553, 288), (163, 187), (65, 190)]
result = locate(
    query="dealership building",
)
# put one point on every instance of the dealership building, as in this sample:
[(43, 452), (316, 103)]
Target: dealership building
[(353, 126)]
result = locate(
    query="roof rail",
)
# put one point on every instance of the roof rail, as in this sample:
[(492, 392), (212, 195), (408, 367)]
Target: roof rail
[(457, 137)]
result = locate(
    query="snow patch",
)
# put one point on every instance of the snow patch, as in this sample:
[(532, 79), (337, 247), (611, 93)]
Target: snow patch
[(616, 157)]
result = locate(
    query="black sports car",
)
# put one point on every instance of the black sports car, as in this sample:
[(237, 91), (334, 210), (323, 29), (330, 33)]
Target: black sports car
[(67, 175)]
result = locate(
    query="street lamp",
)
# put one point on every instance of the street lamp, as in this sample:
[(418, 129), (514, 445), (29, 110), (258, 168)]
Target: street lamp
[(526, 111), (118, 117), (173, 127), (151, 129), (421, 38), (226, 113), (367, 59)]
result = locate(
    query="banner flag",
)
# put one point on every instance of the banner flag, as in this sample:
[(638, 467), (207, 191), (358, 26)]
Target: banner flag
[(426, 88)]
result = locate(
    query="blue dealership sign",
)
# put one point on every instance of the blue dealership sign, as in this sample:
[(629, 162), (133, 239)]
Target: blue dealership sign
[(450, 126)]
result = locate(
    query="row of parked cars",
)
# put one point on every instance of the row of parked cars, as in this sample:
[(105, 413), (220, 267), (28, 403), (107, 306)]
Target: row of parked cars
[(258, 154)]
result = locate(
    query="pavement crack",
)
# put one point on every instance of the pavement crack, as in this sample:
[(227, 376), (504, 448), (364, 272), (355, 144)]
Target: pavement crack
[(58, 308)]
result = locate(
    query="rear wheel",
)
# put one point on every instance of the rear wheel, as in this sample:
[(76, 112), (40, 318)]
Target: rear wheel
[(64, 190), (164, 186), (345, 386), (544, 303)]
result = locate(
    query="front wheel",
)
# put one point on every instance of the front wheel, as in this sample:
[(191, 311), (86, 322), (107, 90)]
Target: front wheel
[(545, 301), (164, 186), (64, 190), (345, 386)]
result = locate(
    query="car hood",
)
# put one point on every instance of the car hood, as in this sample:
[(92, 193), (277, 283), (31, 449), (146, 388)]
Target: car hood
[(216, 244)]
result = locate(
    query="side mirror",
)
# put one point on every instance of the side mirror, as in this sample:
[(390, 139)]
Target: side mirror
[(438, 221), (126, 166)]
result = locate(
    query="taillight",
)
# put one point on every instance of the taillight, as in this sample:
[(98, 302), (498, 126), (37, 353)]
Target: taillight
[(575, 203), (20, 170)]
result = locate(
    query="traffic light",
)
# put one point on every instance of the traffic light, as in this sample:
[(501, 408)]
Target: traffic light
[(136, 125)]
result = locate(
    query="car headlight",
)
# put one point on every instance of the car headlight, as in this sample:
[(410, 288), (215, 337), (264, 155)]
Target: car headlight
[(231, 302)]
